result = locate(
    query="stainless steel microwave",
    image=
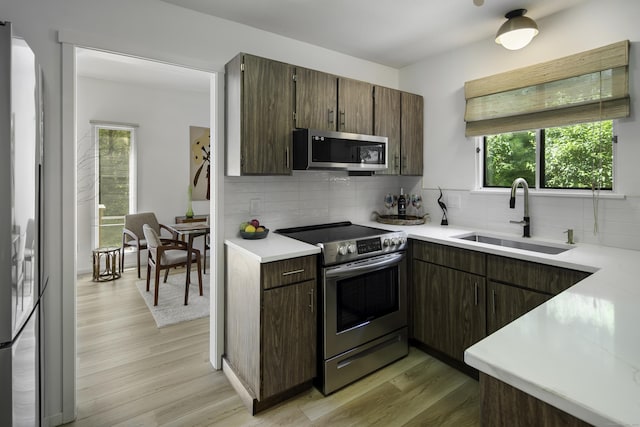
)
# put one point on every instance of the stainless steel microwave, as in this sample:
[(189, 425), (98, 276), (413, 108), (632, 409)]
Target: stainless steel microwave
[(327, 150)]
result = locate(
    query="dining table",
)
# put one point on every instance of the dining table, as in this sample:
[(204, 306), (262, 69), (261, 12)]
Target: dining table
[(189, 230)]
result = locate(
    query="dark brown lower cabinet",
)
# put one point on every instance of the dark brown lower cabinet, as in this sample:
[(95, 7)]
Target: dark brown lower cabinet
[(449, 308), (289, 337), (506, 303), (270, 327), (458, 296), (505, 406)]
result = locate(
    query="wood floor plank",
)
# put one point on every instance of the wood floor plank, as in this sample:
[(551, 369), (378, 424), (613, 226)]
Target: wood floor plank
[(130, 373), (319, 407), (461, 407)]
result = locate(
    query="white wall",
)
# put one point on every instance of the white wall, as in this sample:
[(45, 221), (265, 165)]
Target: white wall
[(450, 158), (162, 141)]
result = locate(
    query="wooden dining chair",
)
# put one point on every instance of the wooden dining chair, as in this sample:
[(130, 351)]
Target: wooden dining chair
[(166, 254), (132, 235)]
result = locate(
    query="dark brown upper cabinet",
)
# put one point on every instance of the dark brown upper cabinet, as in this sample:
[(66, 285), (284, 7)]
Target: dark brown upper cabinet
[(411, 134), (355, 106), (265, 100), (316, 99), (386, 114), (399, 116), (259, 116), (327, 102)]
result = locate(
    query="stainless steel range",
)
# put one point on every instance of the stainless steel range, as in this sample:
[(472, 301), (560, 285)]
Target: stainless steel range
[(362, 324)]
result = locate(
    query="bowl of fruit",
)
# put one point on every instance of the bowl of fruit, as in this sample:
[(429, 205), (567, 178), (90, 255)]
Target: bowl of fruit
[(253, 230)]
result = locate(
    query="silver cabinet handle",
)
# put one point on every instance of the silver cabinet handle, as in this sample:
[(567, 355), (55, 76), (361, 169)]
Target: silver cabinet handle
[(286, 157), (311, 300), (476, 292), (330, 115), (342, 119), (493, 298), (289, 273)]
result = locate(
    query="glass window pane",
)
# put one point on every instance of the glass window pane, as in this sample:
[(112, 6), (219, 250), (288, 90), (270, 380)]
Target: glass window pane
[(509, 156), (113, 179), (579, 156)]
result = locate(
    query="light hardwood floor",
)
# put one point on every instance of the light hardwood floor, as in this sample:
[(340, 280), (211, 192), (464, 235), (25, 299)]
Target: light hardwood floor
[(131, 373)]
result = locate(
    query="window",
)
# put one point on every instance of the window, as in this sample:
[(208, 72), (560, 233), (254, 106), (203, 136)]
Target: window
[(509, 156), (570, 103), (569, 157), (115, 170)]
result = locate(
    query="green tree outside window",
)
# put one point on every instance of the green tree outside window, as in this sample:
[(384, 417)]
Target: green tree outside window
[(114, 149), (572, 157)]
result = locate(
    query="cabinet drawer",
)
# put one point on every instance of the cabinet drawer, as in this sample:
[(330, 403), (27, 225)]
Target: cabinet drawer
[(449, 256), (285, 272), (539, 277)]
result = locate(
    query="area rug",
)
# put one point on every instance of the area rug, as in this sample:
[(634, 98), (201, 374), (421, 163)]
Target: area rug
[(171, 309)]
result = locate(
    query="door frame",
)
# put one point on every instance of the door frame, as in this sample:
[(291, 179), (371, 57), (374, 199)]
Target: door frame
[(70, 40)]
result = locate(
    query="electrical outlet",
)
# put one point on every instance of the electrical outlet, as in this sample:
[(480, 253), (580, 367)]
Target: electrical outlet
[(255, 206)]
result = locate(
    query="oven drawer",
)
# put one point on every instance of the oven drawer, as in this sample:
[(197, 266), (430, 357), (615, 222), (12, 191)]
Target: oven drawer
[(356, 363), (288, 271)]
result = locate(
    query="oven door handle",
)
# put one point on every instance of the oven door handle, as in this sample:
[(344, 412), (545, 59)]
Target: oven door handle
[(365, 266)]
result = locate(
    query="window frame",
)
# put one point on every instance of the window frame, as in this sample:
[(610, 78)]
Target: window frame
[(480, 143), (133, 172)]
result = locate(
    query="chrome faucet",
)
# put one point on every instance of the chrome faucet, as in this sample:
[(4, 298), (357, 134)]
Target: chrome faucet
[(526, 221)]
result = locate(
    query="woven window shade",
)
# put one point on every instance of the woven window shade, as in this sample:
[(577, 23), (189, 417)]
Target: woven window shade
[(585, 87)]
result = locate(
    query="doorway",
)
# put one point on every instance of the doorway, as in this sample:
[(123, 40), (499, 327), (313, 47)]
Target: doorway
[(85, 69)]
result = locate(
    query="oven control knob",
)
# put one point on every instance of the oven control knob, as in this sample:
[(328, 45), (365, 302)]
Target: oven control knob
[(394, 241), (342, 250), (386, 242), (351, 248)]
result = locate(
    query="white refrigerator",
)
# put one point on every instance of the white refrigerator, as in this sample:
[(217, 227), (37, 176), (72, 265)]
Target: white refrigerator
[(22, 284)]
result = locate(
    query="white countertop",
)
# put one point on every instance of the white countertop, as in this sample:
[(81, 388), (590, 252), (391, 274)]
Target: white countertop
[(580, 351), (274, 247)]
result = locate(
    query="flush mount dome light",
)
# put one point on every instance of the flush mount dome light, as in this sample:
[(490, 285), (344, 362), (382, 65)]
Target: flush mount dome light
[(518, 31)]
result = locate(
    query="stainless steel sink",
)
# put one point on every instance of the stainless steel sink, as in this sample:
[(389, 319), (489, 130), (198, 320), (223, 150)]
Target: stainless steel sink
[(545, 248)]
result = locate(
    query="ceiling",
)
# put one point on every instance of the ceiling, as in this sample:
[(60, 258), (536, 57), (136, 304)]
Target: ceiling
[(395, 33), (389, 32)]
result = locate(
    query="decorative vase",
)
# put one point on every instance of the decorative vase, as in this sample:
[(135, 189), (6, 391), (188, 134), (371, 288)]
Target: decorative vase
[(189, 213)]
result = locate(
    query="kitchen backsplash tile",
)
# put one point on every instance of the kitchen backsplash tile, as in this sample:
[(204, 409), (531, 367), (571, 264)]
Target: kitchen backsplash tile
[(318, 197), (308, 198), (550, 216)]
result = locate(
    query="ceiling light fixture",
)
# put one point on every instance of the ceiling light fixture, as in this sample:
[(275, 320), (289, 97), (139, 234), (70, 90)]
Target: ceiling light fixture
[(518, 31)]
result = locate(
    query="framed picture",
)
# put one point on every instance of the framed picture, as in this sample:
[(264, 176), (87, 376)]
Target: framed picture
[(200, 165)]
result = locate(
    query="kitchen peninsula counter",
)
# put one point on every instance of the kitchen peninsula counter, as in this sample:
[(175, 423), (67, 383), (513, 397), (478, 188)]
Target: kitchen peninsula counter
[(579, 351)]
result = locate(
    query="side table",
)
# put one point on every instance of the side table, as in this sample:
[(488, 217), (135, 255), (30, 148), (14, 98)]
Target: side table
[(111, 264)]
